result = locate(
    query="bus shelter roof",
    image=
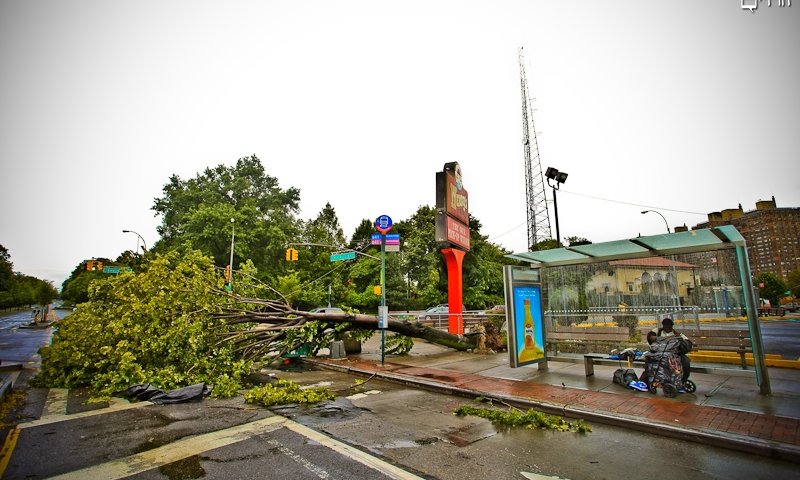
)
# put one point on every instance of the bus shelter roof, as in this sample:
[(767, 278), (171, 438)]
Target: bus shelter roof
[(692, 241)]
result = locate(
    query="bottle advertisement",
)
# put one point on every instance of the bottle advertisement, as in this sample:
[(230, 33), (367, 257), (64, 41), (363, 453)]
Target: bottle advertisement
[(522, 288), (528, 322)]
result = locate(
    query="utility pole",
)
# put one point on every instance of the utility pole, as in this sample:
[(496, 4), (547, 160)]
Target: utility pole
[(676, 290)]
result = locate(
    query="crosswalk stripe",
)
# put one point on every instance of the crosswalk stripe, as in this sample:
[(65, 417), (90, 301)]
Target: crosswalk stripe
[(352, 452), (115, 405), (187, 447), (177, 450)]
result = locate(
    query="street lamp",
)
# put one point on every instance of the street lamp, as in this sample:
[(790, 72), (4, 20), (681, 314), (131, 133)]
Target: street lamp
[(674, 271), (662, 216), (558, 178), (144, 245)]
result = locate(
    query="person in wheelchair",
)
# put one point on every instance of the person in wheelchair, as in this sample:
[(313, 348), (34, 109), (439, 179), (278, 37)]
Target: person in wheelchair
[(666, 331)]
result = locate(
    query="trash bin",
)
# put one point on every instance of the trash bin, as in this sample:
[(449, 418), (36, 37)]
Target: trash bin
[(337, 349)]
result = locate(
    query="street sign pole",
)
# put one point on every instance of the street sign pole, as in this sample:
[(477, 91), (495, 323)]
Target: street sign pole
[(383, 294), (383, 224)]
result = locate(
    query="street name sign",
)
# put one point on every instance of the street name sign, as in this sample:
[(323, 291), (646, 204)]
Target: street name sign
[(341, 256)]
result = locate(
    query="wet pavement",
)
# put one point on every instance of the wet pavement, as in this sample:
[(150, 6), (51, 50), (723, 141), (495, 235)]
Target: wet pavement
[(726, 410)]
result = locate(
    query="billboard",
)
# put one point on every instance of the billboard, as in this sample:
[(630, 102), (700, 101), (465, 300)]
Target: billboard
[(452, 208)]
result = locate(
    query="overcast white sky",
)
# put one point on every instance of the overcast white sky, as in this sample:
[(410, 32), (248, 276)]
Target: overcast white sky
[(683, 106)]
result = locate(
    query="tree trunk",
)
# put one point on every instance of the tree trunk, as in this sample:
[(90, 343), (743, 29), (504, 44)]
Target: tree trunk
[(407, 328)]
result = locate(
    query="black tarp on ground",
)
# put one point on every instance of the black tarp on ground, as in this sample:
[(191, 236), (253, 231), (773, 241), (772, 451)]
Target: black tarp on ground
[(145, 391)]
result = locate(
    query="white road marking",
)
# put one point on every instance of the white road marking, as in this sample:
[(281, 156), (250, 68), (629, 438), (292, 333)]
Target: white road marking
[(177, 450), (353, 453), (115, 405), (357, 396), (190, 446), (536, 476), (318, 471)]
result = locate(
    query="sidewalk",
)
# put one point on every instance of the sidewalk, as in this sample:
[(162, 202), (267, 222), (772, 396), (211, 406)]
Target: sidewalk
[(725, 411)]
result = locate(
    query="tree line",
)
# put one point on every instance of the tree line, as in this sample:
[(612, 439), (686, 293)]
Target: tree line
[(20, 290)]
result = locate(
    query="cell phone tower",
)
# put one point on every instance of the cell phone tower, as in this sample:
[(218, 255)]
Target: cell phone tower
[(535, 200)]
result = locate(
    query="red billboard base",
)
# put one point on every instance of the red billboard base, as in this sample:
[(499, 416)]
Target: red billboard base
[(453, 259)]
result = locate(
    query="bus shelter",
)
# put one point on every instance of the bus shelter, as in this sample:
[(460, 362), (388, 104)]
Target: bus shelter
[(713, 239)]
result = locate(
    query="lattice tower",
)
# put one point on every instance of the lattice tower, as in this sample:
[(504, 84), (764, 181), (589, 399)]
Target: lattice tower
[(535, 200)]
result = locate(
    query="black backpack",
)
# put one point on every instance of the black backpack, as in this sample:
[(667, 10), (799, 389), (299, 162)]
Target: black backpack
[(624, 376)]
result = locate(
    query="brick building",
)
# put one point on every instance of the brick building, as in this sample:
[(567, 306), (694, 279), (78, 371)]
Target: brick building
[(772, 235)]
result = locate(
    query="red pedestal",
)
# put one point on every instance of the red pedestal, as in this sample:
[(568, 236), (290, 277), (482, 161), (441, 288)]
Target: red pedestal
[(453, 259)]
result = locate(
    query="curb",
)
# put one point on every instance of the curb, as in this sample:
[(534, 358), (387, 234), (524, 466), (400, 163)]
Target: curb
[(8, 375), (776, 450)]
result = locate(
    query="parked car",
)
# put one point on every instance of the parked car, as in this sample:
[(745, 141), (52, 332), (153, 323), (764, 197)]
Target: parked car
[(326, 310), (439, 312), (496, 310)]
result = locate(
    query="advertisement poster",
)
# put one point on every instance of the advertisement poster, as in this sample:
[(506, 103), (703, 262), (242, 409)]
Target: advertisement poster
[(528, 324)]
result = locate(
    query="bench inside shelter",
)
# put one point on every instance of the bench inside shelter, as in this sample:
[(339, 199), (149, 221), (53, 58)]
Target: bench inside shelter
[(719, 340), (594, 338)]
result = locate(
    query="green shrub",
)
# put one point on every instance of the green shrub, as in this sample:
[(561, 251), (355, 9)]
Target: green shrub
[(284, 392), (631, 322)]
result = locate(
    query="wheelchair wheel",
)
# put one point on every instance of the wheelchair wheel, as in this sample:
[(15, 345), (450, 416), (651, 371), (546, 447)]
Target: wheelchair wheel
[(689, 386)]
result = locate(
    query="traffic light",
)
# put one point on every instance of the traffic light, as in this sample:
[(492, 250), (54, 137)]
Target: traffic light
[(376, 289), (99, 266), (291, 255), (227, 273), (89, 265)]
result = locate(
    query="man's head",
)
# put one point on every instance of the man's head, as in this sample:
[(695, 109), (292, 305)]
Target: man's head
[(667, 324)]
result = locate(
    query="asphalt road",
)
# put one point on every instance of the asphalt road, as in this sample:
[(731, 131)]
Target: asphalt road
[(374, 430)]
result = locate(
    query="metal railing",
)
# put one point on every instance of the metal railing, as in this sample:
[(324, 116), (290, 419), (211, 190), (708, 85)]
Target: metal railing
[(603, 316), (441, 321)]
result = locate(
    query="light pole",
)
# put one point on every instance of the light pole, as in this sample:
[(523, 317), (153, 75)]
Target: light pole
[(233, 229), (144, 245), (662, 216), (558, 178), (674, 272)]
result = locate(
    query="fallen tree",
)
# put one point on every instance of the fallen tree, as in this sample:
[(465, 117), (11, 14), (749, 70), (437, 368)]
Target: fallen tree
[(273, 328), (172, 325)]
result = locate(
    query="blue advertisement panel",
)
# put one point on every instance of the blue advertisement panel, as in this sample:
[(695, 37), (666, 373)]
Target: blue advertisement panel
[(524, 316), (529, 331)]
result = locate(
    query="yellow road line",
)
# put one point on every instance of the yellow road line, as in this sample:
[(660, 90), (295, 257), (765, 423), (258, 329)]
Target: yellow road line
[(8, 449)]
